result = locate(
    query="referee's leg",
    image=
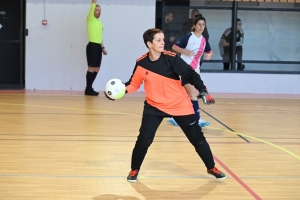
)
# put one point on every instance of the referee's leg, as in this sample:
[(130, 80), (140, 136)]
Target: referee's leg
[(93, 67)]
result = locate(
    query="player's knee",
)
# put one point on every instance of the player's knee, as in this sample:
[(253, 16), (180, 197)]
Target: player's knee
[(193, 132), (202, 142), (199, 143), (144, 142)]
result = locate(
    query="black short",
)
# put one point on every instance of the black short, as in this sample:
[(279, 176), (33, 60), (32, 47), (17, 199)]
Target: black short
[(93, 54)]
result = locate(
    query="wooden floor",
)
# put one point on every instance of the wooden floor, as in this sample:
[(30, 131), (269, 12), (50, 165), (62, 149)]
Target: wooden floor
[(63, 145)]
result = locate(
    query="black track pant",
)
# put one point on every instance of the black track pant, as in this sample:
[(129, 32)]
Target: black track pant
[(188, 125), (226, 56)]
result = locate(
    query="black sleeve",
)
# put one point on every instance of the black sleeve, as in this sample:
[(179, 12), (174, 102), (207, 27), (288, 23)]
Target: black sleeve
[(180, 67), (128, 82)]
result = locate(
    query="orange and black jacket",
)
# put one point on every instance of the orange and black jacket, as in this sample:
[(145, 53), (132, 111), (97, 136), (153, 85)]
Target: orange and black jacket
[(162, 83)]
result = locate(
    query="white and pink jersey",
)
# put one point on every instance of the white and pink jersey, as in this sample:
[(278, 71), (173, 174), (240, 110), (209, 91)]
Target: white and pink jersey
[(196, 44)]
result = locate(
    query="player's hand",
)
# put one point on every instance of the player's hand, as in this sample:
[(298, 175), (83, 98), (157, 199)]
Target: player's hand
[(108, 97), (189, 53), (207, 98), (208, 56), (104, 51), (172, 39)]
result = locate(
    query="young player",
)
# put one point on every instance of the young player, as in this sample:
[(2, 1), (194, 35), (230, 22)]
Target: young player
[(192, 46)]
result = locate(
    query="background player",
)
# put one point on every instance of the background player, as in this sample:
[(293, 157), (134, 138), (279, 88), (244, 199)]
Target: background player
[(192, 46)]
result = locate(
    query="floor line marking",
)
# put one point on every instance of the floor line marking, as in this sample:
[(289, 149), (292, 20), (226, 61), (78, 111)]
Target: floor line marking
[(233, 175), (236, 133)]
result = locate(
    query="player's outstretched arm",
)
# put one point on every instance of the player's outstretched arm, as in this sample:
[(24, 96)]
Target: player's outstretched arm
[(94, 1), (186, 72)]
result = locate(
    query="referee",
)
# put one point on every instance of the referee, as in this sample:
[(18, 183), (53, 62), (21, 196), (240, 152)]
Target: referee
[(94, 48)]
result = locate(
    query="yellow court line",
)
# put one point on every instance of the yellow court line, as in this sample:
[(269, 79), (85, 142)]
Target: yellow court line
[(263, 141), (236, 133)]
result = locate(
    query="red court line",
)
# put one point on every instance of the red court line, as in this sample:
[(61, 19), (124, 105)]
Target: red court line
[(237, 179)]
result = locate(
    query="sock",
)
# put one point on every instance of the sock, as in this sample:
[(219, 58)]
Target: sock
[(89, 80), (196, 109), (94, 76)]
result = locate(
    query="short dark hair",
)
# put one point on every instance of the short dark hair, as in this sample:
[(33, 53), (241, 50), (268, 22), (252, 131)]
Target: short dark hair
[(97, 5), (238, 20), (200, 17), (148, 36), (195, 10)]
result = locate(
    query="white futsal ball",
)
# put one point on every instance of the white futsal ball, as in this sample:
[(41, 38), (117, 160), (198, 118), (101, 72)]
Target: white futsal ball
[(115, 89)]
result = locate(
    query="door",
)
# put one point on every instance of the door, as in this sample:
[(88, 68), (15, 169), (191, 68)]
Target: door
[(12, 43)]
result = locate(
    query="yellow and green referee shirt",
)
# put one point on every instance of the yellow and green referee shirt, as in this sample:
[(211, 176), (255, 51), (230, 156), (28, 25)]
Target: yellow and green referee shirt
[(94, 26)]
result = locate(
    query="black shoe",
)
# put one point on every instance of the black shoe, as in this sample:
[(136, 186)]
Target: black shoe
[(216, 173), (90, 92), (241, 67), (95, 92), (132, 177), (226, 66)]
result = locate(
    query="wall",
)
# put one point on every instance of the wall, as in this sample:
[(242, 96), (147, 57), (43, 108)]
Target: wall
[(55, 54), (259, 26), (252, 83)]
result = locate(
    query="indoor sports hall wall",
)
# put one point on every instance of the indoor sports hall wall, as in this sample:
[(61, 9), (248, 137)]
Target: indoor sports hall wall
[(258, 27), (55, 54)]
